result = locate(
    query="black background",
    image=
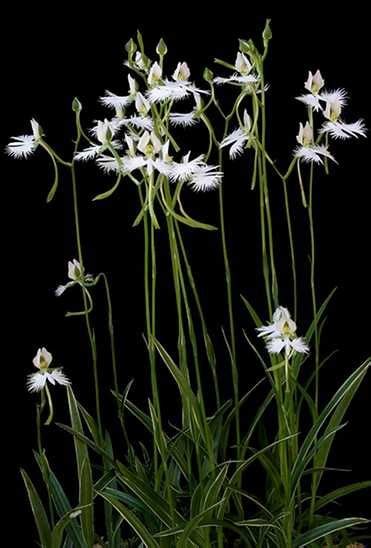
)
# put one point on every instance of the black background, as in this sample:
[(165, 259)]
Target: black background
[(48, 58)]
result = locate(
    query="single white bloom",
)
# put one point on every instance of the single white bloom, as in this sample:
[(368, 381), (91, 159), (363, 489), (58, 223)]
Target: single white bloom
[(238, 138), (281, 334), (314, 82), (155, 75), (25, 145), (341, 130), (182, 72), (42, 361), (76, 274), (206, 178), (242, 64), (313, 154)]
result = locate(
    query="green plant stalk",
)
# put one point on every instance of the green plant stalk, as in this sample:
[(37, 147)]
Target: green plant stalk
[(199, 308), (148, 299), (111, 332), (89, 328), (228, 280), (264, 176), (292, 250)]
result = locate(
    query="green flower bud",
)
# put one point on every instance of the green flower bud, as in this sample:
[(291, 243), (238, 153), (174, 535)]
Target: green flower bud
[(161, 48)]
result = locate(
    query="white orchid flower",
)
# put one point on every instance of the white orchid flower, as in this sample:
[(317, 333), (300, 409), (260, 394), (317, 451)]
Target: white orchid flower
[(281, 334), (76, 274), (199, 175), (23, 146), (238, 138), (103, 131), (112, 100), (37, 381), (334, 126), (308, 151), (313, 84), (244, 74)]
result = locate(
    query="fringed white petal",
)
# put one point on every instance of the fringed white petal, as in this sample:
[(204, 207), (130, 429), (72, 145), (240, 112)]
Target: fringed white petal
[(341, 130), (186, 119), (113, 101), (22, 146), (88, 153), (35, 382), (59, 377), (313, 154), (206, 178), (310, 100)]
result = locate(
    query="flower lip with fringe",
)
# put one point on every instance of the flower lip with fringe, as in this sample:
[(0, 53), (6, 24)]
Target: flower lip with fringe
[(23, 146), (238, 138), (37, 381)]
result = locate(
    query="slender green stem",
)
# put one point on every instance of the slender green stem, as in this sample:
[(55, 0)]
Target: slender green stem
[(50, 404), (209, 350), (148, 300), (264, 174), (232, 335), (292, 249), (111, 332), (89, 328)]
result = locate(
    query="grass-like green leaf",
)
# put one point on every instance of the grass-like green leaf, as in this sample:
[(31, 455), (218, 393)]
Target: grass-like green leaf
[(327, 529), (38, 510), (132, 520)]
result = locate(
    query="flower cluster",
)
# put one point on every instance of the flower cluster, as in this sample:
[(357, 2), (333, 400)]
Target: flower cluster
[(280, 335), (330, 105)]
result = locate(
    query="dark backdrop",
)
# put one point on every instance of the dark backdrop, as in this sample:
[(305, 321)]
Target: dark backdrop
[(48, 58)]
